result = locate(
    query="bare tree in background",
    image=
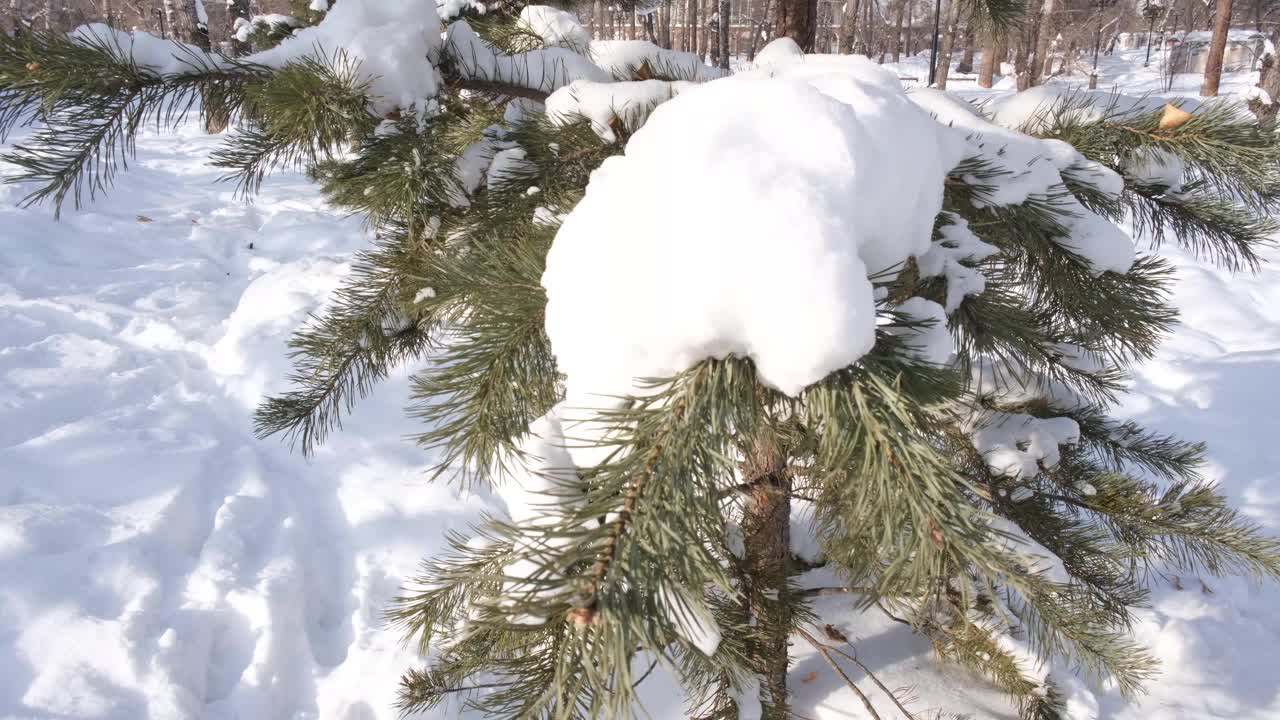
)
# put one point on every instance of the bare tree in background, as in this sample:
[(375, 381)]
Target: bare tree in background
[(947, 44), (966, 58), (990, 61), (848, 28), (1043, 39), (897, 30), (1217, 48), (798, 20), (724, 34)]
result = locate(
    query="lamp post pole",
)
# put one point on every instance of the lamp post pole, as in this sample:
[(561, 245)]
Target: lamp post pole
[(933, 51)]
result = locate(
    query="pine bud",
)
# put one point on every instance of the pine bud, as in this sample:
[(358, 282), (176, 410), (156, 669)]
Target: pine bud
[(583, 616), (1173, 117)]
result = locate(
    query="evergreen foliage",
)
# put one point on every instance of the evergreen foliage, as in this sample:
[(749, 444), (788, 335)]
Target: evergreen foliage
[(629, 557)]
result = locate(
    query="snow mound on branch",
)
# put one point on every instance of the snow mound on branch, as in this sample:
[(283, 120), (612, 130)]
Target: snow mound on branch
[(930, 342), (148, 52), (1156, 167), (545, 70), (1017, 445), (556, 27), (629, 103), (1029, 109), (817, 69), (392, 41), (777, 199), (783, 49), (1033, 168), (271, 21), (947, 257), (622, 58)]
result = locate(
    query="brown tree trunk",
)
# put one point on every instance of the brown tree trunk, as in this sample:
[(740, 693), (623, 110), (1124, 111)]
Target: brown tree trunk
[(990, 61), (1217, 48), (948, 44), (766, 534), (797, 19)]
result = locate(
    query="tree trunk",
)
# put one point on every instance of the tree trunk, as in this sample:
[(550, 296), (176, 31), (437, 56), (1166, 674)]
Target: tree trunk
[(990, 61), (198, 20), (797, 19), (705, 27), (848, 28), (1269, 81), (897, 31), (724, 34), (911, 36), (1043, 37), (966, 59), (766, 534), (666, 24), (947, 45), (696, 42), (868, 28), (1217, 48)]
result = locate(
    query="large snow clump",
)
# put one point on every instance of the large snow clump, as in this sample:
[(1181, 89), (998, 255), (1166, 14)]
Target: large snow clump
[(780, 197)]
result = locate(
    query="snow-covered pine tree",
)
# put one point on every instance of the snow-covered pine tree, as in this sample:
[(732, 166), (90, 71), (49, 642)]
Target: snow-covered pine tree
[(794, 333)]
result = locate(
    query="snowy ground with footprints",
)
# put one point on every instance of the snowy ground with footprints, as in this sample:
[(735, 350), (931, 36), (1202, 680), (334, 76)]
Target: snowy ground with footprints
[(158, 561)]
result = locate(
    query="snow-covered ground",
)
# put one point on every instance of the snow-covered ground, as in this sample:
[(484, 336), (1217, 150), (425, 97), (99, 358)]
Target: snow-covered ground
[(158, 561)]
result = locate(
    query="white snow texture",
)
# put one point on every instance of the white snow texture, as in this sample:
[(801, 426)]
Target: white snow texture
[(821, 209)]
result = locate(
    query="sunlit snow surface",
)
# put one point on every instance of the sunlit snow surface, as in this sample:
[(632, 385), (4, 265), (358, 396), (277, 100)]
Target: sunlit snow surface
[(158, 561)]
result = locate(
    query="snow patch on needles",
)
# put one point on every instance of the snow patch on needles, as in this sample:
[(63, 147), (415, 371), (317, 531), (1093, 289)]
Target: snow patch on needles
[(148, 52), (650, 296), (958, 245), (781, 50), (545, 70), (1032, 169), (628, 103), (392, 41), (556, 27), (930, 340), (622, 58)]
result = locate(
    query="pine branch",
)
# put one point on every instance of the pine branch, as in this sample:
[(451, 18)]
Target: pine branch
[(301, 115), (826, 655), (91, 99), (1214, 228), (373, 325)]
